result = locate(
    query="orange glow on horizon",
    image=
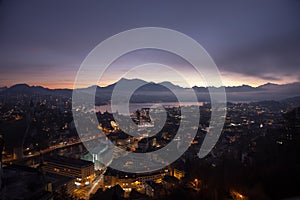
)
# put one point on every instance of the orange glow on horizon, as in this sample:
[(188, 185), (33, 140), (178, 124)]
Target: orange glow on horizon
[(228, 79)]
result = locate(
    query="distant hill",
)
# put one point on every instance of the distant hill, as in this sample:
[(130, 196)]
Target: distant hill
[(3, 89), (159, 92), (20, 89), (295, 100)]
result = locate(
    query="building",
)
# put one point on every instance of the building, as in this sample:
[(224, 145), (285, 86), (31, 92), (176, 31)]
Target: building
[(115, 192), (1, 149), (21, 182), (170, 182), (114, 125), (101, 155), (81, 170), (153, 189), (132, 181), (18, 153), (177, 169), (59, 181)]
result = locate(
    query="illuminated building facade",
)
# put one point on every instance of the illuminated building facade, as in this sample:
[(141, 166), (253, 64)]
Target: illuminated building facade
[(81, 170)]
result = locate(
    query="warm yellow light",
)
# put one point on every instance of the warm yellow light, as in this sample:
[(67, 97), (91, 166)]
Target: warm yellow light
[(137, 182), (78, 184)]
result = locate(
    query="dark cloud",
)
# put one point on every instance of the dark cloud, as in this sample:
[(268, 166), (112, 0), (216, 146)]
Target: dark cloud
[(253, 38), (276, 56), (271, 78)]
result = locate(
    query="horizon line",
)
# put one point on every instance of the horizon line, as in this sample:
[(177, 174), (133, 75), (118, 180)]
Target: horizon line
[(71, 88)]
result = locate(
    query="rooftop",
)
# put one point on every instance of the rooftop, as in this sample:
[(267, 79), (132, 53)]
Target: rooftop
[(78, 163)]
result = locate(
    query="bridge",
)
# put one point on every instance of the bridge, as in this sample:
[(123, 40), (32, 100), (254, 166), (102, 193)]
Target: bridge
[(45, 151)]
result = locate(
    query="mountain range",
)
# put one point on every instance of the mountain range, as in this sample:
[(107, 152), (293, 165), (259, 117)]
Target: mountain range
[(158, 92)]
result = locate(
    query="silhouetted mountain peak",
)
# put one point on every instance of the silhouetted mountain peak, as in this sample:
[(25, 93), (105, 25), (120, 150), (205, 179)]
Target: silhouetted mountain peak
[(20, 85), (268, 91), (268, 85), (170, 85), (125, 80)]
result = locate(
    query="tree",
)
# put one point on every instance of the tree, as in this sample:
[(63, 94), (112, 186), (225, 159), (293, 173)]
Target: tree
[(63, 194)]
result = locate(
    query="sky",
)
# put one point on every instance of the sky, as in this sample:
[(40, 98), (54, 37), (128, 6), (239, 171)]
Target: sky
[(251, 42)]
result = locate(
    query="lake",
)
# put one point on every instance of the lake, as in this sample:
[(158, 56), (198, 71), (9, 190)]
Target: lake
[(135, 106)]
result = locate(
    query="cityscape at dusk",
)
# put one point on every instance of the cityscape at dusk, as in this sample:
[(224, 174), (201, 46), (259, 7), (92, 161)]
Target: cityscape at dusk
[(142, 100)]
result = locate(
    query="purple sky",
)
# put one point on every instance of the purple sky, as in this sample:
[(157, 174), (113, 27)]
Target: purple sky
[(252, 42)]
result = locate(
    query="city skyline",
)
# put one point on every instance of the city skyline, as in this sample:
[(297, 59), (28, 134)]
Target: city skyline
[(141, 100)]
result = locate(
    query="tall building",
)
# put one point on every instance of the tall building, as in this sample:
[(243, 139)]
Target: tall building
[(81, 170), (101, 156)]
